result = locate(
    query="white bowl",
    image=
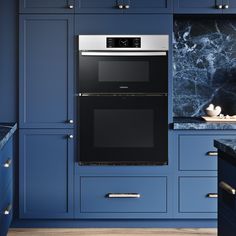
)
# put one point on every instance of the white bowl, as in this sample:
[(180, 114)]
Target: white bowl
[(212, 113)]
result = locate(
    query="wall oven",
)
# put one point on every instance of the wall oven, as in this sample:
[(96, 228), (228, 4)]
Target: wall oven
[(122, 102)]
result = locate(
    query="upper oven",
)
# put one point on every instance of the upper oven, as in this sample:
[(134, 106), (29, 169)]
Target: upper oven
[(123, 64)]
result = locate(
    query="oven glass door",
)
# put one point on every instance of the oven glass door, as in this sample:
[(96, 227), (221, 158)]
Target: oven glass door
[(123, 130), (123, 72)]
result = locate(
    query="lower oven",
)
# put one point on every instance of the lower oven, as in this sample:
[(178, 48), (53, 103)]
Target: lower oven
[(123, 129)]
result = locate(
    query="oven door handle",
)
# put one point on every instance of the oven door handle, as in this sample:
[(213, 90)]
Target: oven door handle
[(117, 54)]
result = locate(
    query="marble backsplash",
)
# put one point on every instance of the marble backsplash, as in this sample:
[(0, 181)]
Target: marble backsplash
[(204, 61)]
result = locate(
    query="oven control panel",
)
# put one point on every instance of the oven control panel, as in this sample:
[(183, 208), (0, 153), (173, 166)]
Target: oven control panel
[(123, 42)]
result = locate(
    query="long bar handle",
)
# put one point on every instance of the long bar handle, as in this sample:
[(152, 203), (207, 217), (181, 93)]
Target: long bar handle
[(212, 153), (123, 195), (212, 195), (117, 54), (226, 187)]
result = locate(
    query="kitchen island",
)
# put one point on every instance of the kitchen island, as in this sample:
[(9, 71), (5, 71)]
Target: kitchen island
[(226, 186)]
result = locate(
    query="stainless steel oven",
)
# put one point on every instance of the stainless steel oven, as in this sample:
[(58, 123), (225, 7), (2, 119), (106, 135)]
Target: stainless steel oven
[(123, 102), (123, 64)]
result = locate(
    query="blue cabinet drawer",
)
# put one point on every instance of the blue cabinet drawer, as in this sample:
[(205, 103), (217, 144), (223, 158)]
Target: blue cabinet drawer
[(198, 7), (46, 6), (197, 152), (6, 168), (6, 211), (194, 194), (123, 194)]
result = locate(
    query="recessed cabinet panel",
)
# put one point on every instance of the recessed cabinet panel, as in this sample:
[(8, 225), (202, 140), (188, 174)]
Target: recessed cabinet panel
[(122, 197), (46, 174), (148, 6), (46, 71), (47, 6), (194, 195), (101, 6), (198, 7), (197, 152), (6, 167)]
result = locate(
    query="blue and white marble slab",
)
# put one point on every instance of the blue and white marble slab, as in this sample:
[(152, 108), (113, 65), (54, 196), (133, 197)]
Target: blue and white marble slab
[(195, 123), (204, 66)]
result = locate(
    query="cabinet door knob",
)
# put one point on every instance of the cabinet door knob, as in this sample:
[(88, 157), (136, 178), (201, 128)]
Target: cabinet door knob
[(120, 6), (219, 6), (71, 6), (71, 121), (226, 6), (127, 6), (7, 211), (7, 163), (70, 136)]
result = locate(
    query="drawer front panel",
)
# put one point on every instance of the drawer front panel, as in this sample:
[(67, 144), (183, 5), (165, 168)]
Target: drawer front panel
[(6, 168), (197, 152), (199, 7), (6, 212), (95, 194), (194, 194), (227, 175)]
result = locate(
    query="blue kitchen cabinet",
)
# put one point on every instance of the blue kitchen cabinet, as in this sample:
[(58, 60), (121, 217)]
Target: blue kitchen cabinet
[(124, 6), (195, 184), (229, 6), (46, 71), (198, 7), (6, 186), (205, 7), (46, 173), (122, 197), (47, 6)]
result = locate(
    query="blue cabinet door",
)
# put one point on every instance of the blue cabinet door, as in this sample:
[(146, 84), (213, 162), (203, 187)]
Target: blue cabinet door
[(229, 6), (47, 6), (46, 174), (148, 6), (46, 71), (197, 197), (101, 6), (198, 7), (124, 6)]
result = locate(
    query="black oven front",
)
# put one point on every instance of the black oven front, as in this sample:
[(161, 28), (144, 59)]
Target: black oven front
[(123, 130), (122, 102)]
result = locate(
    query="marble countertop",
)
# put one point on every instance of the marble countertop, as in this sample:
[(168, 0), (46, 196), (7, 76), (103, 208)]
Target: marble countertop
[(226, 145), (6, 132), (197, 123)]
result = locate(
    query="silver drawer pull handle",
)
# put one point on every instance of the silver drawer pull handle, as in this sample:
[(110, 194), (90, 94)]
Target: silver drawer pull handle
[(7, 211), (7, 163), (212, 153), (212, 195), (227, 188), (219, 6), (123, 195), (71, 6)]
